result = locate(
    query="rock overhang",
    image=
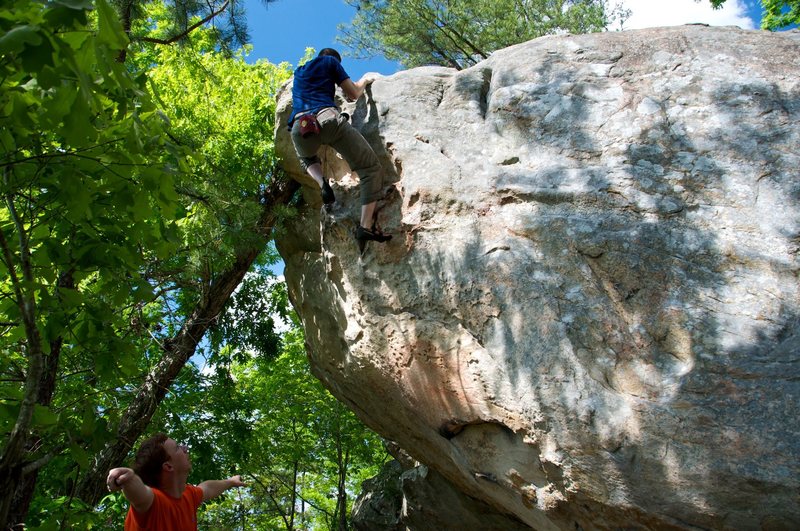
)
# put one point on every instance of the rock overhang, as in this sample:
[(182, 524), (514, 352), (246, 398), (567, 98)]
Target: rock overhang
[(593, 279)]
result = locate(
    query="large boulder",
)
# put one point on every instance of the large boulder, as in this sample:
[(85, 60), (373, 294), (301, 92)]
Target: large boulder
[(588, 315)]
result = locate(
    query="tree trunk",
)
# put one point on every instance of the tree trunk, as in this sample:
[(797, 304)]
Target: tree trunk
[(343, 523), (21, 501), (343, 461), (180, 348), (13, 452), (23, 493)]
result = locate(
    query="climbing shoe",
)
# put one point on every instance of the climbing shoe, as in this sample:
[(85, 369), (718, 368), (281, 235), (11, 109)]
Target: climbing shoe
[(327, 193), (364, 235)]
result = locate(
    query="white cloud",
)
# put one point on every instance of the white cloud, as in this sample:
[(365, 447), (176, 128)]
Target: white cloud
[(654, 13)]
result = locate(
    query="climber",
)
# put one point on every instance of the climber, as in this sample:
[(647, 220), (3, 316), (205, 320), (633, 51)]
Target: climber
[(156, 487), (316, 120)]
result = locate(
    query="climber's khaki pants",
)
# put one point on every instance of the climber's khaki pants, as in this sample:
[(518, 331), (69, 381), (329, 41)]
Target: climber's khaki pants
[(336, 131)]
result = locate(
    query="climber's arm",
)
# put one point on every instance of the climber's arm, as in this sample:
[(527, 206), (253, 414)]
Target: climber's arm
[(353, 91)]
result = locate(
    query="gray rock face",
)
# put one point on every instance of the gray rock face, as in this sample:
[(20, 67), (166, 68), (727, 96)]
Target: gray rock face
[(420, 498), (588, 315)]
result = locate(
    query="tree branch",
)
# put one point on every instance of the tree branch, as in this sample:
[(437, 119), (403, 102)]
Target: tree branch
[(39, 463), (187, 31), (177, 350), (283, 482), (277, 505)]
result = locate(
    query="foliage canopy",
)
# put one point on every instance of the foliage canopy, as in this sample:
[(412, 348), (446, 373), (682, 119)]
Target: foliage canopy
[(302, 452), (89, 200), (136, 195), (139, 190), (777, 13), (223, 20), (460, 33)]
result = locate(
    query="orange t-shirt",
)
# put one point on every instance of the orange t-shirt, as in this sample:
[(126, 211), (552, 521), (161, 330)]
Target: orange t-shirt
[(168, 513)]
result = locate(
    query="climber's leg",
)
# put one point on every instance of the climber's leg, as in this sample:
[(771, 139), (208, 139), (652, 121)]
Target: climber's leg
[(307, 149)]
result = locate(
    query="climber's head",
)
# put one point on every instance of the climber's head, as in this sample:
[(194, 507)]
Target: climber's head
[(330, 51)]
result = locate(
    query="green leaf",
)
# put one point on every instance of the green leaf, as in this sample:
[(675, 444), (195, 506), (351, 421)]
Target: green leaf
[(58, 106), (15, 334), (141, 206), (119, 294), (8, 414), (43, 416), (48, 78), (167, 198), (70, 298), (15, 40), (128, 366), (110, 29), (61, 15), (54, 326), (88, 423), (75, 40), (79, 455), (75, 4), (77, 127), (143, 291), (35, 57), (7, 142)]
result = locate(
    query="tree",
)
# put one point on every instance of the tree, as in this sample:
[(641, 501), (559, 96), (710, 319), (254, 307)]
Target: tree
[(307, 451), (132, 209), (225, 19), (86, 184), (304, 453), (460, 33), (224, 109), (777, 13)]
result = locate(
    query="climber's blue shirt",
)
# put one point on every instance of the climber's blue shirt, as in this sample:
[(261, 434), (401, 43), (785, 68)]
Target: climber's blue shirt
[(315, 85)]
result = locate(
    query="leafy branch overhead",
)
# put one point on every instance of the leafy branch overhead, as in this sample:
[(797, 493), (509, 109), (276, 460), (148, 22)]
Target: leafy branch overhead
[(460, 33), (777, 14), (177, 19)]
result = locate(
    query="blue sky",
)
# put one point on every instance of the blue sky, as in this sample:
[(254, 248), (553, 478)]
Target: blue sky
[(282, 30)]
